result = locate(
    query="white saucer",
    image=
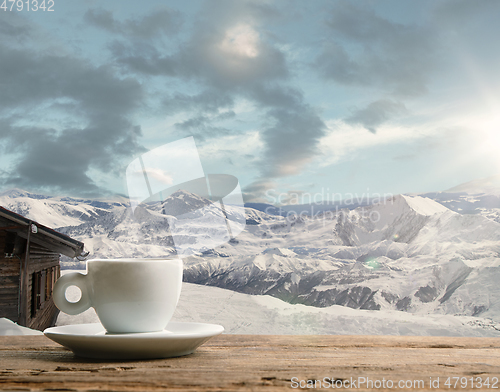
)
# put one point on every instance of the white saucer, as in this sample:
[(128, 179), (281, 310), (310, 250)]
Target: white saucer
[(92, 341)]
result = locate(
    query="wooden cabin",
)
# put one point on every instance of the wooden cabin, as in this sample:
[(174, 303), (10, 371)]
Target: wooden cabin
[(29, 267)]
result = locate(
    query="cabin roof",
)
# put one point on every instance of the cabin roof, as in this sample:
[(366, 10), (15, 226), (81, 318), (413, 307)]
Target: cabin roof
[(43, 235)]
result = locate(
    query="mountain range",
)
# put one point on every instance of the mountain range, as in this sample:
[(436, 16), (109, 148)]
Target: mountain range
[(435, 253)]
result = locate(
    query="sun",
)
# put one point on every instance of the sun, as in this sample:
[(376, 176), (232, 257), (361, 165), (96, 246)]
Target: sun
[(242, 41), (489, 133)]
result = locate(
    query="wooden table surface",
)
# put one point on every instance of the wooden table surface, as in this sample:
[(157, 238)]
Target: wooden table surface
[(261, 362)]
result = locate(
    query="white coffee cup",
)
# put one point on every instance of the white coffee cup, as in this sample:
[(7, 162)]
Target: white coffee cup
[(128, 295)]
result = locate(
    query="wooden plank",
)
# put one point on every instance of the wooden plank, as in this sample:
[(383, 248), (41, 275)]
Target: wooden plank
[(9, 290), (9, 266), (257, 363), (8, 294), (40, 250), (14, 227), (11, 304), (42, 264), (8, 299), (50, 243), (9, 281), (10, 271)]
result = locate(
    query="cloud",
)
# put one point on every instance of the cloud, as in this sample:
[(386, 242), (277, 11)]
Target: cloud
[(207, 101), (462, 12), (226, 49), (56, 157), (254, 192), (207, 58), (144, 58), (291, 142), (204, 59), (293, 132), (230, 55), (202, 128), (335, 63), (368, 50), (291, 137), (376, 113), (14, 28), (160, 21)]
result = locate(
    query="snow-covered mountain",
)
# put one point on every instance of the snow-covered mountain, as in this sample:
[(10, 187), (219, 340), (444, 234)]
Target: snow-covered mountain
[(56, 211), (488, 186), (406, 253), (480, 196), (262, 314)]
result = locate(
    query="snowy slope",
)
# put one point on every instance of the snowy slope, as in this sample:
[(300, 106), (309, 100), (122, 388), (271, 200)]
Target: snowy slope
[(262, 314)]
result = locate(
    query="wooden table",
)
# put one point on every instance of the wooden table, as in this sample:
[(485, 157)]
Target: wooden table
[(259, 362)]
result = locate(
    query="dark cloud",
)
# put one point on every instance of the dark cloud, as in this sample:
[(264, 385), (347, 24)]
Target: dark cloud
[(14, 28), (276, 96), (335, 63), (203, 128), (208, 101), (376, 113), (201, 121), (195, 122), (292, 141), (160, 21), (204, 60), (59, 158), (50, 162), (292, 138), (368, 50), (144, 58)]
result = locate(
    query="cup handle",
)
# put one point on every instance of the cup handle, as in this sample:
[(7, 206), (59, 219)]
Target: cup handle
[(71, 279)]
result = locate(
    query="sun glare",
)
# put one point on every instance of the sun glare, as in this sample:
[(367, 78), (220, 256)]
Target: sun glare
[(241, 40), (490, 143)]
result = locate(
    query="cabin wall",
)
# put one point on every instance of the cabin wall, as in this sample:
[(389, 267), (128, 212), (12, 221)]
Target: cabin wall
[(43, 271), (29, 268), (9, 282)]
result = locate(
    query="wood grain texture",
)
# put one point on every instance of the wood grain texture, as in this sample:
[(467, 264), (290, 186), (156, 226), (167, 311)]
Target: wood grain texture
[(251, 362)]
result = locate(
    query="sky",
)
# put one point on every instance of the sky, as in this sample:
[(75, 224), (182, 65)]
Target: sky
[(309, 98)]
